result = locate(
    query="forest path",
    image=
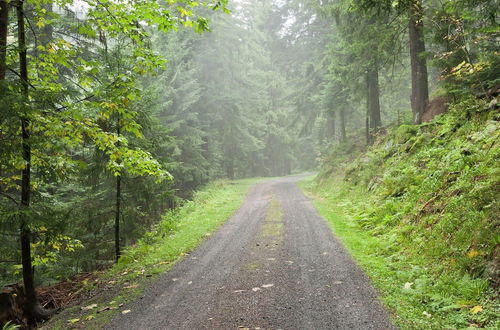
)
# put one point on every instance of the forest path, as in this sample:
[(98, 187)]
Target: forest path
[(274, 265)]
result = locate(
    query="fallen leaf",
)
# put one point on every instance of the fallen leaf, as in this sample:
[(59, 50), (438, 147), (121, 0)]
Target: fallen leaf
[(407, 285), (89, 307), (476, 309), (267, 285), (131, 286), (126, 311), (472, 253), (426, 314), (90, 317), (73, 321)]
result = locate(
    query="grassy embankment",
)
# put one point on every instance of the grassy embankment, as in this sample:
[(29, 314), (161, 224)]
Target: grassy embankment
[(419, 212), (179, 232)]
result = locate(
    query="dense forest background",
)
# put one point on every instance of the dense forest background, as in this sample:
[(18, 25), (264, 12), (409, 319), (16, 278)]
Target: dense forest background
[(113, 112)]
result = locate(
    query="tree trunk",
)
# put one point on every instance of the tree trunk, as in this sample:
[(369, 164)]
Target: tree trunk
[(230, 168), (374, 98), (117, 216), (419, 83), (373, 121), (342, 125), (25, 232), (367, 117), (4, 24), (287, 166), (118, 202), (330, 126)]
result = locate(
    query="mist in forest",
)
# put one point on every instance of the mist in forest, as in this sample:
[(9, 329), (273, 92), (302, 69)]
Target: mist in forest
[(262, 95), (115, 114), (151, 108)]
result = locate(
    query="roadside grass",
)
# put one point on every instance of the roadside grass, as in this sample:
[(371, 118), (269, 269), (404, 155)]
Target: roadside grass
[(179, 232), (419, 210), (418, 290)]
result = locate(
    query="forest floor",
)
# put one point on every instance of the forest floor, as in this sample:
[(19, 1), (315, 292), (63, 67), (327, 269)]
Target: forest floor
[(273, 265)]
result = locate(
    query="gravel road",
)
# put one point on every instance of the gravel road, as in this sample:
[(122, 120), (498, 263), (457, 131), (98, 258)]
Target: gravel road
[(273, 265)]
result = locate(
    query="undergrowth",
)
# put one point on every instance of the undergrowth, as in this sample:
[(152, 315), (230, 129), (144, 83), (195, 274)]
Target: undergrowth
[(426, 198)]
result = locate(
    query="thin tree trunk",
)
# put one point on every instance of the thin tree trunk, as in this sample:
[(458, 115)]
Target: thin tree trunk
[(4, 24), (419, 82), (287, 166), (117, 216), (342, 125), (230, 168), (118, 203), (373, 121), (32, 308), (330, 126), (374, 98), (367, 120), (25, 233), (323, 133)]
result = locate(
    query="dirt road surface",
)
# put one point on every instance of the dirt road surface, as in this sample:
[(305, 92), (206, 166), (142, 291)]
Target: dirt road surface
[(274, 265)]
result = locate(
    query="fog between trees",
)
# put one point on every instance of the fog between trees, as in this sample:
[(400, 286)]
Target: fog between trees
[(113, 112)]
